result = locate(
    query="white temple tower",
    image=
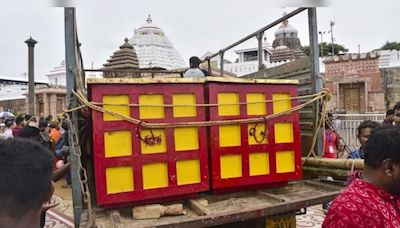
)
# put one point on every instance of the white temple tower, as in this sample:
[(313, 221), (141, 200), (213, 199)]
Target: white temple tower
[(153, 48), (57, 75)]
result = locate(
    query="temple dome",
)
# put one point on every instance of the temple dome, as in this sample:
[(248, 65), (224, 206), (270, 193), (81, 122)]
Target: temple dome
[(286, 30), (286, 35), (149, 27), (286, 45), (154, 49)]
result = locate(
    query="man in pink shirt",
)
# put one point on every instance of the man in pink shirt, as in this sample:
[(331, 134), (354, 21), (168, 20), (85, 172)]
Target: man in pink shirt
[(373, 199), (20, 121)]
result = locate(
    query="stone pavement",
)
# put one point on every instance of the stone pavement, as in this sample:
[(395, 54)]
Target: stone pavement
[(62, 215), (57, 219), (313, 219)]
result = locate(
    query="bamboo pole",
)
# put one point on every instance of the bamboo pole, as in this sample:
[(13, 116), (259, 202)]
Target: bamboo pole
[(357, 164), (315, 171)]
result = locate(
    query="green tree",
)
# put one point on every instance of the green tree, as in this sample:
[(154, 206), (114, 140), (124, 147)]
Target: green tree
[(325, 49), (391, 46)]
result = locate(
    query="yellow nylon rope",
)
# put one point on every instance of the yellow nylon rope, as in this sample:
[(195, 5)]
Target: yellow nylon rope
[(207, 105), (323, 96), (86, 103)]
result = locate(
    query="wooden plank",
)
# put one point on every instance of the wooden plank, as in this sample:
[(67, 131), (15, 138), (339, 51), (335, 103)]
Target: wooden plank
[(143, 80), (187, 80), (247, 214), (299, 194), (253, 81), (322, 186), (281, 199)]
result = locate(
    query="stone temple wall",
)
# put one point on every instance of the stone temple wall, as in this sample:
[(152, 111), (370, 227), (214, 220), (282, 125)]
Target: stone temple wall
[(391, 85)]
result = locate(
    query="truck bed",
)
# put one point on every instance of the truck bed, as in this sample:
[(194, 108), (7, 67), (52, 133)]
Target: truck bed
[(231, 207)]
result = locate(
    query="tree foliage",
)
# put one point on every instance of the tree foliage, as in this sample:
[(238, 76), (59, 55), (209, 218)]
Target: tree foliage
[(391, 46), (325, 49)]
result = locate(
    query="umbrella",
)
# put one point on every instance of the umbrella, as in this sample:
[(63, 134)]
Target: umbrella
[(6, 114)]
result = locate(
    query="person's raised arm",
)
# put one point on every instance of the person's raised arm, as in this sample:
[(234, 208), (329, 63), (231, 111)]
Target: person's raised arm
[(60, 173)]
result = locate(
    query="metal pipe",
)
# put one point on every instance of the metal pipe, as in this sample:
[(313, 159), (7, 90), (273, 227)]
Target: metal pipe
[(322, 43), (209, 66), (260, 51), (134, 71), (315, 74), (31, 76), (276, 22), (71, 68), (333, 48), (313, 34), (222, 63)]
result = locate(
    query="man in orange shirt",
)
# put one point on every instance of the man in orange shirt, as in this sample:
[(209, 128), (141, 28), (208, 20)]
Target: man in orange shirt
[(55, 133)]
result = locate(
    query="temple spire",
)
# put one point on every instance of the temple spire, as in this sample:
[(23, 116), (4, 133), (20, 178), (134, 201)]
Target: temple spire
[(122, 60), (149, 20), (285, 22)]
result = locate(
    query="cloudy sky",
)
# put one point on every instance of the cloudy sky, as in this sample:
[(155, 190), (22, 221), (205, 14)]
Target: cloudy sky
[(194, 27)]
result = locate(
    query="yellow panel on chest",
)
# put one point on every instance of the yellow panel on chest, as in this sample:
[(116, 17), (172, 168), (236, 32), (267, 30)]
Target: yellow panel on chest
[(117, 104), (151, 106)]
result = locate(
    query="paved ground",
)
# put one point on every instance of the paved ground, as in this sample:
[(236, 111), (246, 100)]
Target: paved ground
[(313, 219), (57, 219), (62, 215)]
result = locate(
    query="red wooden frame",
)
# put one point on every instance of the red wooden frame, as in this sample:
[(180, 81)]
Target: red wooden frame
[(136, 160), (244, 149)]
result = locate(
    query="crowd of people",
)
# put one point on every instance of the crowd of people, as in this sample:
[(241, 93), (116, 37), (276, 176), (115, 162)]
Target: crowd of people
[(334, 148), (372, 197), (29, 149), (40, 144)]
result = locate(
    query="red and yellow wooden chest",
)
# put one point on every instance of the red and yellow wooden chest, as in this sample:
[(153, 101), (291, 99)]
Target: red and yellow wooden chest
[(135, 164), (246, 155)]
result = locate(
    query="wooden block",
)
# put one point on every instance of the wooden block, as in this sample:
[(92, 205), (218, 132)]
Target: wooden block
[(155, 211), (148, 212), (203, 202), (175, 209)]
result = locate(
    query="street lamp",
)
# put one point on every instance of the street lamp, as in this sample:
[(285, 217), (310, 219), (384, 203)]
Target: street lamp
[(321, 48), (332, 24)]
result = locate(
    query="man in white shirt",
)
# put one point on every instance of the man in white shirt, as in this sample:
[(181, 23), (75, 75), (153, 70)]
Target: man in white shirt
[(337, 124), (9, 124), (194, 71)]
